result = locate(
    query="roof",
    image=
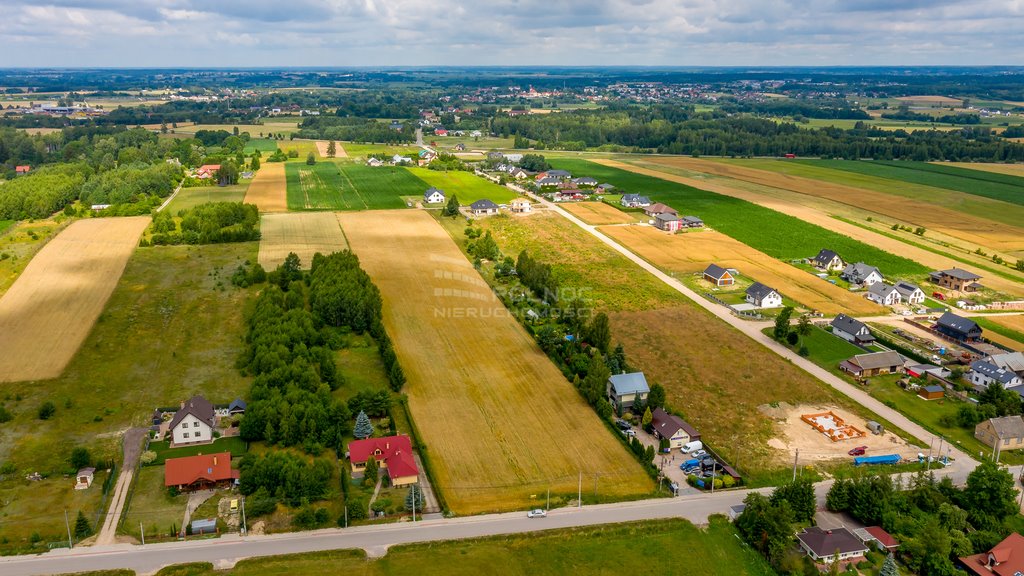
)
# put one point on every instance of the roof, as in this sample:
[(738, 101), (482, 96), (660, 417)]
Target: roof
[(859, 271), (584, 179), (992, 371), (668, 424), (1008, 558), (934, 388), (431, 190), (715, 271), (883, 537), (825, 256), (237, 404), (558, 174), (1007, 426), (958, 273), (606, 186), (631, 383), (906, 289), (395, 451), (22, 168), (759, 291), (197, 406), (191, 469), (881, 289), (208, 167), (667, 217), (692, 219), (878, 360), (849, 325), (825, 543), (484, 204), (957, 323), (1009, 361), (89, 471), (659, 207)]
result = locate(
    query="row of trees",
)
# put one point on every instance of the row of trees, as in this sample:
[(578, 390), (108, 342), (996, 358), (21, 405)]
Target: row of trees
[(42, 193), (283, 477), (354, 130), (212, 223)]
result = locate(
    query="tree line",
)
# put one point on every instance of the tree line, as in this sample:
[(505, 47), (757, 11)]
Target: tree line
[(354, 130), (211, 223)]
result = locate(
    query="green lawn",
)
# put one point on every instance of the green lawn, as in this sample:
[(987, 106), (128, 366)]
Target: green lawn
[(5, 224), (657, 546), (827, 350), (264, 145), (235, 445), (466, 185), (189, 198), (347, 186), (776, 234), (152, 505)]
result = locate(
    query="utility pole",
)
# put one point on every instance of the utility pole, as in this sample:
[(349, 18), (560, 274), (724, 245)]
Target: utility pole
[(413, 502), (548, 505), (67, 525), (713, 477), (928, 463), (579, 493), (143, 533), (596, 478), (244, 527), (346, 514), (795, 458)]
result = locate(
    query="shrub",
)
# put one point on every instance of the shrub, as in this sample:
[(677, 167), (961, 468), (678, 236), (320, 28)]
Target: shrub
[(147, 457), (80, 458), (728, 481), (46, 411)]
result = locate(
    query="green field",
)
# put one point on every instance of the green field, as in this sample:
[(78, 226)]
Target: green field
[(153, 506), (826, 350), (466, 185), (989, 185), (264, 145), (5, 224), (346, 186), (356, 149), (776, 234), (189, 198), (658, 546)]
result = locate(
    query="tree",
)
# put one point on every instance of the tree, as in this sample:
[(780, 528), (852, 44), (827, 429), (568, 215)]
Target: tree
[(415, 495), (310, 159), (228, 173), (396, 376), (656, 397), (804, 326), (451, 208), (371, 472), (364, 428), (782, 323), (595, 382), (989, 494), (599, 334), (646, 419), (82, 527), (80, 458), (889, 566), (799, 494), (766, 526), (254, 163), (486, 248), (46, 410), (792, 338), (331, 149)]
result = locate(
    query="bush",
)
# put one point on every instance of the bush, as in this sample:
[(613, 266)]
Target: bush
[(46, 411), (356, 509), (5, 415), (147, 457), (80, 458), (728, 481)]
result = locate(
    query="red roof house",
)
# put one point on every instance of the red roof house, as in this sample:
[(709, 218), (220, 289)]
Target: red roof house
[(25, 169), (882, 537), (393, 453), (1005, 559), (207, 170), (195, 472)]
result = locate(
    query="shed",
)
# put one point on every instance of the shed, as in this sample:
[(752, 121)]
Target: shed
[(718, 276), (932, 392), (83, 480), (204, 526), (237, 406)]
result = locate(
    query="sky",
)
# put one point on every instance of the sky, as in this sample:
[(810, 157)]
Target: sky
[(220, 33)]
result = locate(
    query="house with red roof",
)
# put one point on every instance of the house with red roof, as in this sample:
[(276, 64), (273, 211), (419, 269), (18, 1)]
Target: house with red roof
[(207, 171), (198, 472), (393, 453), (1004, 559), (22, 170), (879, 537)]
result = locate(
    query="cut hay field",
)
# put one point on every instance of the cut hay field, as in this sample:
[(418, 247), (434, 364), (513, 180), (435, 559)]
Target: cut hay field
[(304, 233), (346, 186), (1009, 169), (339, 149), (499, 422), (1007, 330), (188, 198), (715, 375), (268, 189), (599, 213), (775, 233), (466, 185), (689, 253), (47, 313)]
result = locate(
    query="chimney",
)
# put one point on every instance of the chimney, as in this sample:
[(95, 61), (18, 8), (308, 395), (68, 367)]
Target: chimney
[(215, 463), (829, 532), (387, 445)]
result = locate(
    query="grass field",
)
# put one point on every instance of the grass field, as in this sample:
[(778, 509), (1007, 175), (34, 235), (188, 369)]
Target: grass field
[(381, 187), (270, 126), (264, 145), (827, 350), (5, 224), (512, 426), (304, 233), (317, 187), (234, 444), (19, 243), (47, 313), (38, 507), (153, 506), (359, 150), (599, 213), (268, 189), (1011, 328), (691, 253), (344, 186), (774, 233), (466, 185), (189, 198)]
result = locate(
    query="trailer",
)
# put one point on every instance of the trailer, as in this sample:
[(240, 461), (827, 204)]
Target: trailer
[(886, 459)]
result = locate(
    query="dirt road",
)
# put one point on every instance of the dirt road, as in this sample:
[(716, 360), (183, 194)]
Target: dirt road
[(132, 445)]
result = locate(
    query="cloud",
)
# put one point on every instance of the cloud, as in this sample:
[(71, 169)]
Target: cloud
[(508, 32)]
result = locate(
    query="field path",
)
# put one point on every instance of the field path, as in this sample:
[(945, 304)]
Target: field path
[(304, 233), (499, 421), (820, 218), (51, 308), (268, 190)]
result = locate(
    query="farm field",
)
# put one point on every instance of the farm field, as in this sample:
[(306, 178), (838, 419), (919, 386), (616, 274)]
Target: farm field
[(599, 213), (466, 185), (513, 426), (777, 234), (339, 149), (1007, 330), (268, 189), (20, 241), (691, 253), (304, 233), (1010, 169), (264, 145), (282, 126), (360, 150), (50, 309), (189, 198), (344, 186), (317, 187)]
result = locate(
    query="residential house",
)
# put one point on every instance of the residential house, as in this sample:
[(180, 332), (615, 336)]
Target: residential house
[(392, 453), (494, 155), (374, 162), (433, 196), (199, 472), (460, 147), (763, 297), (879, 537), (1004, 559), (605, 187), (851, 330), (668, 222), (957, 328), (585, 181), (207, 171), (692, 222), (956, 279), (634, 201), (520, 206), (910, 293), (440, 131), (396, 126), (719, 276), (861, 274), (568, 194), (399, 159), (22, 170), (83, 480), (514, 158), (483, 208), (673, 428), (426, 155), (547, 181), (825, 545), (236, 407), (658, 208), (931, 392), (1012, 361), (883, 294), (518, 173), (828, 261), (623, 390), (1006, 432), (476, 134), (984, 373), (193, 423), (873, 364)]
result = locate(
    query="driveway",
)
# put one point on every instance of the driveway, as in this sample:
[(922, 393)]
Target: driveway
[(668, 463), (132, 445)]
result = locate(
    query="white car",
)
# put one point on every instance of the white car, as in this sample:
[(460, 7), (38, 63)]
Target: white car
[(538, 513)]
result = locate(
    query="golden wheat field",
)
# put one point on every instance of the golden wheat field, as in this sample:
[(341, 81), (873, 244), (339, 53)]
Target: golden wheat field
[(269, 189), (304, 233), (598, 213), (499, 421)]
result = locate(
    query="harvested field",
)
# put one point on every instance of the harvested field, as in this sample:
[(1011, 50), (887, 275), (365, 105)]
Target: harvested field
[(599, 213), (304, 233), (933, 100), (269, 189), (339, 150), (796, 434), (53, 305), (499, 421), (1011, 169), (1007, 330), (692, 252)]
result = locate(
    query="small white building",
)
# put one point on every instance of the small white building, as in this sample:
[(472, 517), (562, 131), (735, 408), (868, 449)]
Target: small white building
[(83, 480), (520, 206), (763, 297), (433, 196), (193, 423), (883, 294), (910, 293)]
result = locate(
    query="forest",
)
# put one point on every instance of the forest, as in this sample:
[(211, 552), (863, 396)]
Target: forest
[(354, 130), (211, 223)]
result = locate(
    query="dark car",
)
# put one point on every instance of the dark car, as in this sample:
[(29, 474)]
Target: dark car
[(622, 424), (858, 451)]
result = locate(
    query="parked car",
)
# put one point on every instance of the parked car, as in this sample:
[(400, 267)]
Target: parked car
[(622, 424), (699, 454), (938, 295), (694, 446), (630, 433), (538, 513), (858, 451)]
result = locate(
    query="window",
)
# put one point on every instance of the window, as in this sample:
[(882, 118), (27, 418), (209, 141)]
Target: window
[(196, 434), (185, 435), (1006, 442), (195, 424)]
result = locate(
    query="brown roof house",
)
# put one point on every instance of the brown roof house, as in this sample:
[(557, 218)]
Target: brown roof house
[(956, 279), (825, 545), (863, 365), (193, 423), (1004, 559), (659, 208), (673, 428), (1007, 432)]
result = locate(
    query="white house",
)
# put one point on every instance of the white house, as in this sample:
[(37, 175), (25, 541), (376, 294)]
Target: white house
[(851, 330), (374, 162), (634, 201), (193, 423), (861, 273), (763, 297), (520, 205), (910, 293), (884, 294), (984, 373), (828, 261), (433, 196)]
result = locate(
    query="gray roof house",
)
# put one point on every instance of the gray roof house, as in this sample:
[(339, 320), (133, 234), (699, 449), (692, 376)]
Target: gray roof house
[(634, 201), (433, 196), (624, 390), (692, 222), (874, 363), (884, 294), (237, 406), (984, 373), (564, 174), (484, 206), (957, 327), (825, 545), (909, 293), (763, 296), (861, 273), (851, 330), (827, 260), (1013, 361), (585, 181)]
